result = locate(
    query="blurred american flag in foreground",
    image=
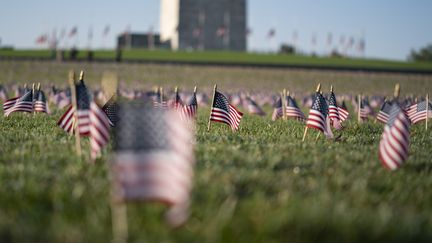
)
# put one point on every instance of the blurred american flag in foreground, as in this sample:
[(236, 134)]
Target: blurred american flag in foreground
[(153, 159)]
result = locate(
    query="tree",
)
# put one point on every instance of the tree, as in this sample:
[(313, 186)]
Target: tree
[(287, 49), (424, 54)]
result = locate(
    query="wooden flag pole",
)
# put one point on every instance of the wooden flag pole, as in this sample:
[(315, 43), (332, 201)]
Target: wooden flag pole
[(306, 128), (161, 94), (359, 107), (396, 91), (33, 96), (427, 110), (284, 104), (119, 221), (74, 105), (211, 107)]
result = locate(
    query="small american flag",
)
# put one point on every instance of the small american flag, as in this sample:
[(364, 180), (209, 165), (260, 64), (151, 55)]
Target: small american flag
[(9, 103), (99, 129), (383, 114), (40, 104), (67, 120), (278, 110), (190, 108), (110, 109), (223, 112), (292, 109), (343, 112), (177, 103), (318, 113), (159, 101), (365, 109), (83, 107), (417, 112), (22, 104), (253, 107), (153, 159), (334, 111), (393, 147)]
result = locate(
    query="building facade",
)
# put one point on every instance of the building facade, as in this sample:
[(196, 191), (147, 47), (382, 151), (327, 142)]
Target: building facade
[(138, 40), (204, 24)]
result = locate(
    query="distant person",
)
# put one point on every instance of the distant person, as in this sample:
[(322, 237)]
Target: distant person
[(118, 54), (73, 54), (90, 55)]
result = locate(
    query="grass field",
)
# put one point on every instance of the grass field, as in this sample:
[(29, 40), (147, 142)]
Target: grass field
[(228, 79), (235, 58), (261, 184)]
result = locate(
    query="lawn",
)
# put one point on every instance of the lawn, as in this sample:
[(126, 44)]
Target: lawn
[(213, 57), (260, 184)]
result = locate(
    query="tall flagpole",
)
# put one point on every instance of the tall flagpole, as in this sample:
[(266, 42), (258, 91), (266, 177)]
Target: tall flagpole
[(74, 105), (306, 128), (359, 107), (284, 104), (211, 107), (427, 110)]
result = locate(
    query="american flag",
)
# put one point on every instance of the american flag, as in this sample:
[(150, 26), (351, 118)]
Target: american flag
[(153, 159), (334, 111), (110, 109), (383, 114), (253, 107), (177, 103), (343, 112), (9, 103), (99, 129), (66, 121), (417, 112), (278, 110), (292, 109), (318, 113), (83, 107), (22, 104), (159, 101), (40, 104), (393, 147), (365, 109), (190, 108), (223, 112)]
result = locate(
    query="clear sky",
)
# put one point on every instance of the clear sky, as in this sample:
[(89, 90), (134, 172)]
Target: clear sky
[(390, 28)]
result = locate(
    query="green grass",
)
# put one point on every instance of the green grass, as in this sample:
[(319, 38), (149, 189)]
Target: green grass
[(261, 184), (145, 76), (237, 58)]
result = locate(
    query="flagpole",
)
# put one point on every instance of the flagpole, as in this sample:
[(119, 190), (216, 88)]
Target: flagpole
[(359, 107), (161, 95), (118, 218), (284, 104), (306, 128), (33, 95), (211, 107), (74, 105), (427, 110)]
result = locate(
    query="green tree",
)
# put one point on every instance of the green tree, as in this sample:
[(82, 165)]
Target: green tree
[(424, 54)]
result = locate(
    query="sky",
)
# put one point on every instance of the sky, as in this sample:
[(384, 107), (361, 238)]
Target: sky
[(390, 28)]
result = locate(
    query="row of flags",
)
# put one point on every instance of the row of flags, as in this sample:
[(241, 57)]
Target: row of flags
[(32, 100), (250, 103)]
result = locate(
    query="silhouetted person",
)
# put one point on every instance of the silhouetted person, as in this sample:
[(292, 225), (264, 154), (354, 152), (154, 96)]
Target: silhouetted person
[(118, 54), (90, 55), (73, 54)]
